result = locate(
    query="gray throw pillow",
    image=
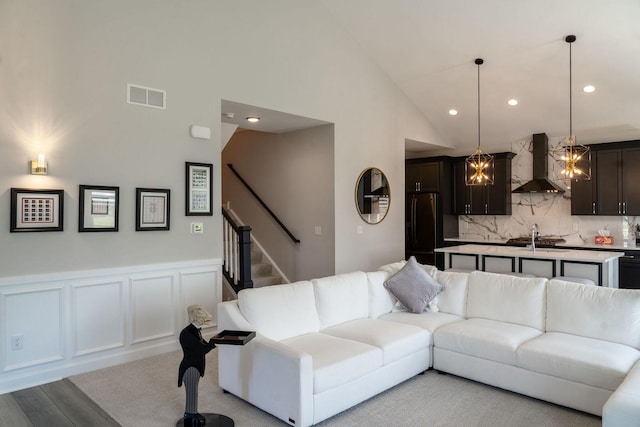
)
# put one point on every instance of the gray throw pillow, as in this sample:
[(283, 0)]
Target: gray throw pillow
[(413, 286)]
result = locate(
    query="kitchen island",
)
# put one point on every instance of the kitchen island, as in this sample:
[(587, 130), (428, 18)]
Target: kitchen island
[(599, 266)]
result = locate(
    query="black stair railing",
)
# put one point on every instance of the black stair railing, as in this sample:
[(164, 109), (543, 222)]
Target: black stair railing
[(236, 253), (264, 205)]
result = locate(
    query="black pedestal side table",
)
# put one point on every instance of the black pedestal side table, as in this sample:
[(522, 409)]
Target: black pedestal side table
[(213, 420), (226, 337)]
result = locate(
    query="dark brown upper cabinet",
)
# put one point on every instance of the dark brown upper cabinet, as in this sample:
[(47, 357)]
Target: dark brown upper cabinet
[(583, 192), (483, 199), (614, 188)]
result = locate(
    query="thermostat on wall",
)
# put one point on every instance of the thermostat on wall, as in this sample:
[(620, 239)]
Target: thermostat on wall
[(200, 132)]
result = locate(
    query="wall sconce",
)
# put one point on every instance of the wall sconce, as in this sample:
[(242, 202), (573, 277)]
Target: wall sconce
[(39, 167)]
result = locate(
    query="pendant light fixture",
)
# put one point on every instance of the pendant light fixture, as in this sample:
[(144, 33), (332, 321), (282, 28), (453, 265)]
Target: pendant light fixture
[(575, 159), (478, 167)]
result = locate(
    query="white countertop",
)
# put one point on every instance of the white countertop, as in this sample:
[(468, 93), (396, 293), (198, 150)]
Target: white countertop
[(631, 244), (546, 253)]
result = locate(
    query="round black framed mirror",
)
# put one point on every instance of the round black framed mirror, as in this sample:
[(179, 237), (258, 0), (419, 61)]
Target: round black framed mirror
[(373, 195)]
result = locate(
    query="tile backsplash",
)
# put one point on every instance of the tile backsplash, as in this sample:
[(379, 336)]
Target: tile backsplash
[(552, 212)]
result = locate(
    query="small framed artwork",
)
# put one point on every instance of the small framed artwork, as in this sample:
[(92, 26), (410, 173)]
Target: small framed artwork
[(98, 208), (152, 209), (199, 182), (36, 210)]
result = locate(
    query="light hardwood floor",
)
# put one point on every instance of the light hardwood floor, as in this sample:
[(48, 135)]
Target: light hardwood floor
[(57, 404)]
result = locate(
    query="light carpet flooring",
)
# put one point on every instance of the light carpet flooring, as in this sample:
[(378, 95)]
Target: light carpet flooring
[(145, 394)]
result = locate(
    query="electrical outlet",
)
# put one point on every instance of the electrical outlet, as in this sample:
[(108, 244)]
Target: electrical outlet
[(16, 342), (318, 230), (575, 227), (359, 229)]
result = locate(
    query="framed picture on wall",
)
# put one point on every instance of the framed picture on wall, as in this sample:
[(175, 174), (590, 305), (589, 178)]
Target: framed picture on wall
[(199, 181), (99, 207), (36, 210), (152, 209)]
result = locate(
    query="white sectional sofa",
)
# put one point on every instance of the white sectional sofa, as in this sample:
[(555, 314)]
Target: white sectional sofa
[(327, 344)]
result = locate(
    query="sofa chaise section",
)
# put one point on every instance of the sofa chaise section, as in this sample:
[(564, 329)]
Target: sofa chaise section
[(575, 352), (592, 339)]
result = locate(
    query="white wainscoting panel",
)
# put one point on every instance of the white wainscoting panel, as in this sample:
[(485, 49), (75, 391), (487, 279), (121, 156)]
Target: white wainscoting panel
[(98, 316), (152, 300), (36, 316), (79, 321), (196, 288)]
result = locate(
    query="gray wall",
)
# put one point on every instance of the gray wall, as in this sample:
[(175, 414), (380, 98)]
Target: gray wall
[(64, 67), (63, 73), (293, 174)]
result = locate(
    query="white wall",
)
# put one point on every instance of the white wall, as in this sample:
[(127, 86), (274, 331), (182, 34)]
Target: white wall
[(64, 67), (293, 174)]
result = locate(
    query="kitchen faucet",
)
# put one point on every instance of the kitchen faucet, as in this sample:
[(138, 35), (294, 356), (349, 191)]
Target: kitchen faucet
[(534, 233)]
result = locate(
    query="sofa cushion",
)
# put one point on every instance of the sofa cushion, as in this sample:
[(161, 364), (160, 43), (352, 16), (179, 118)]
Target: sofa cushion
[(507, 298), (426, 320), (381, 301), (589, 361), (341, 298), (595, 312), (336, 361), (413, 286), (487, 339), (395, 340), (281, 311), (453, 298), (394, 267)]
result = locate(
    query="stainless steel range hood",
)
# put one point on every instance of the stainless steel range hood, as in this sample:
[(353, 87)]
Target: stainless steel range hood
[(540, 182)]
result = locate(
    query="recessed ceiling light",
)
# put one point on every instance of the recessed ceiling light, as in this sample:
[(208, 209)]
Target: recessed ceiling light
[(453, 112), (589, 89), (512, 102), (253, 119)]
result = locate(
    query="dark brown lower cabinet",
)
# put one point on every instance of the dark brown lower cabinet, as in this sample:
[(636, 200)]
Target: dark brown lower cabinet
[(629, 270)]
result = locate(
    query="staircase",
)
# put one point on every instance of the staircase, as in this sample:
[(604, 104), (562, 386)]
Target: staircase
[(261, 274), (262, 271)]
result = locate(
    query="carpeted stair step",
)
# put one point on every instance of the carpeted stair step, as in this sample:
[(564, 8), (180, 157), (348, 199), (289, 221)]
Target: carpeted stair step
[(260, 269), (256, 255), (259, 282)]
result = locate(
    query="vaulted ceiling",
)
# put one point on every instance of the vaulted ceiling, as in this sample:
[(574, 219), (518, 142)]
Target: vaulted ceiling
[(428, 48)]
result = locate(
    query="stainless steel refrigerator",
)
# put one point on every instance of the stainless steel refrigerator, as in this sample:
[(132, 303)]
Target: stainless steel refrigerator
[(423, 231)]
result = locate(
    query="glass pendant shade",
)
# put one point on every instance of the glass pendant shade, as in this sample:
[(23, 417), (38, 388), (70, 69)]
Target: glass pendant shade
[(478, 167), (575, 159)]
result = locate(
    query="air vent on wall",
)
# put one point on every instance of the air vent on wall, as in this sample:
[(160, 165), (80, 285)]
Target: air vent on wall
[(146, 96)]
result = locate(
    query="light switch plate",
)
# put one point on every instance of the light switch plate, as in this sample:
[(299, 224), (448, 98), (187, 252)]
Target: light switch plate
[(197, 228)]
